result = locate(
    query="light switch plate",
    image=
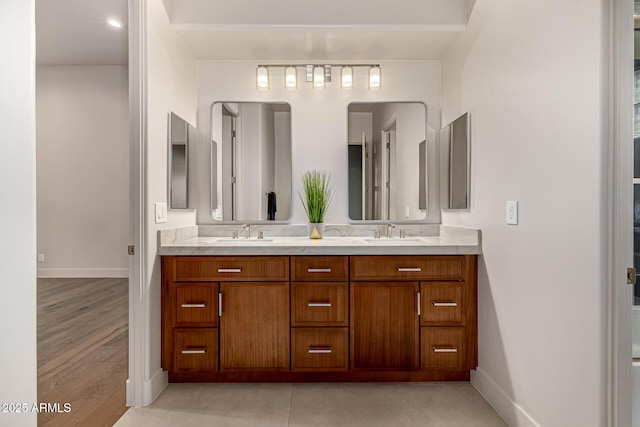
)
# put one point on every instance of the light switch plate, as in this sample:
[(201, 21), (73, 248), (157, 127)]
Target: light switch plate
[(512, 212), (161, 212)]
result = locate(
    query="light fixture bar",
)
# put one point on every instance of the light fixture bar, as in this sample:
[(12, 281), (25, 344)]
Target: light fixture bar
[(318, 75)]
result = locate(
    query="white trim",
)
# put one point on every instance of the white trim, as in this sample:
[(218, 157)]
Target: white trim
[(618, 169), (137, 272), (306, 27), (47, 273), (154, 386), (510, 411)]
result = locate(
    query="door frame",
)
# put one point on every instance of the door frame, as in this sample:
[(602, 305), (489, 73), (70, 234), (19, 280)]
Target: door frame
[(619, 220)]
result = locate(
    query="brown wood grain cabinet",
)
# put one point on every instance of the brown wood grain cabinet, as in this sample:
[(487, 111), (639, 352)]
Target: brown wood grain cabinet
[(319, 318), (254, 326)]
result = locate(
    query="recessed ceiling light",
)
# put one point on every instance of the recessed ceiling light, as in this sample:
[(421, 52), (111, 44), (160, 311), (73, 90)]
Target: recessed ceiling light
[(114, 23)]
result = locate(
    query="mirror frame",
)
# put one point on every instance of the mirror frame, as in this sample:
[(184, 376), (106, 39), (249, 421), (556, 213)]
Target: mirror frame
[(213, 178), (425, 219)]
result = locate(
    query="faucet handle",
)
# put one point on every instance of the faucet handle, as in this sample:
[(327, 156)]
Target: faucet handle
[(260, 234), (234, 234), (402, 233)]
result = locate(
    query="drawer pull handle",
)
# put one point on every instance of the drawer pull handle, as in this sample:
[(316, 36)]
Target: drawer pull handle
[(444, 303), (445, 350), (319, 350), (318, 304), (318, 270), (229, 270), (201, 350), (409, 269), (194, 305)]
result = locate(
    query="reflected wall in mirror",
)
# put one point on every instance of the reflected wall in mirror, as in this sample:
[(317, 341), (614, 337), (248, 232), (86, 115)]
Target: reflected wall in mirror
[(387, 161), (250, 161), (455, 151), (181, 135)]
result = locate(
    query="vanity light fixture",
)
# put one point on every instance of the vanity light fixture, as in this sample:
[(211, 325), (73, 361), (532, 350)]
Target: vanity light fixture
[(262, 78), (346, 77), (290, 78), (374, 77), (318, 75)]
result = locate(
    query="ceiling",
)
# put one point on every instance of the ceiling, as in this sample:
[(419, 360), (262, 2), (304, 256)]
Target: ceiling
[(75, 32)]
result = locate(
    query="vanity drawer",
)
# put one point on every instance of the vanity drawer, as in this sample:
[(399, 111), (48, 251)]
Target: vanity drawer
[(321, 268), (195, 349), (320, 349), (231, 268), (196, 304), (443, 348), (409, 267), (441, 303), (319, 304)]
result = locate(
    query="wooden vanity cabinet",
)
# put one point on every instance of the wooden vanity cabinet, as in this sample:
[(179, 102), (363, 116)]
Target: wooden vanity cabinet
[(320, 313), (319, 318), (414, 312)]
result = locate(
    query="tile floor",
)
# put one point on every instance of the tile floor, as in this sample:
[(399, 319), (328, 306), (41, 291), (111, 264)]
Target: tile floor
[(316, 404)]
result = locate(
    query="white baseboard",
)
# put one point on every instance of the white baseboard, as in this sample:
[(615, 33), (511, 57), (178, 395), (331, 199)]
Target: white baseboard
[(72, 273), (510, 411), (154, 386)]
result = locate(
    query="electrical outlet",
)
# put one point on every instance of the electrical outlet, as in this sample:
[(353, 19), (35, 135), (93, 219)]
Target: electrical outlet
[(161, 212), (512, 212), (40, 257)]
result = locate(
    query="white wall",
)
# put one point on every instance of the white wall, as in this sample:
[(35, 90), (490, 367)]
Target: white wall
[(18, 213), (318, 120), (83, 170), (171, 86), (531, 75)]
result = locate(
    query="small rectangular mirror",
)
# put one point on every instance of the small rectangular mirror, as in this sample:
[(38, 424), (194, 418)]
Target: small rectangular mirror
[(387, 158), (250, 161), (455, 163), (180, 133)]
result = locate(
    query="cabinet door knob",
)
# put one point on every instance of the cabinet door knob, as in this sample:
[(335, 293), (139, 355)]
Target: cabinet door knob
[(198, 350), (319, 304), (319, 350), (318, 270), (444, 303), (444, 349), (194, 305)]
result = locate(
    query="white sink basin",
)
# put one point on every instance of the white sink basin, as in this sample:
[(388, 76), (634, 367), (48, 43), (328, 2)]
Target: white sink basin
[(394, 240), (242, 241)]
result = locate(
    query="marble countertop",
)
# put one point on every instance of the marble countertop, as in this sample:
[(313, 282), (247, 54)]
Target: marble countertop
[(446, 241)]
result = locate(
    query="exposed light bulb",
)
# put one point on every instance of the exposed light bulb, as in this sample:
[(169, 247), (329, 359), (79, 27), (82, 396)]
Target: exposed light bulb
[(374, 77), (262, 78), (290, 78), (114, 23), (318, 77), (346, 78)]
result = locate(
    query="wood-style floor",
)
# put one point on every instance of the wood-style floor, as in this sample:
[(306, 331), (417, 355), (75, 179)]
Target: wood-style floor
[(82, 350)]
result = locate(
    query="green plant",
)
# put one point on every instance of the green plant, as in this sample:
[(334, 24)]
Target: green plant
[(317, 195)]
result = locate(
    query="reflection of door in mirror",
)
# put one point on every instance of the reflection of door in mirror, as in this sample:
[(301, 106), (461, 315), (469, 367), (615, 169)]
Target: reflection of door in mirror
[(178, 162), (252, 162), (393, 134)]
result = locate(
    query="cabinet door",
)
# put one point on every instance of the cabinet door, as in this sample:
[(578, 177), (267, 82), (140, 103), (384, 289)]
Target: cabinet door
[(384, 325), (254, 326)]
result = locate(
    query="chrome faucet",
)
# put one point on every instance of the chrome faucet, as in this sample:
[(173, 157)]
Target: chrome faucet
[(247, 231), (389, 227)]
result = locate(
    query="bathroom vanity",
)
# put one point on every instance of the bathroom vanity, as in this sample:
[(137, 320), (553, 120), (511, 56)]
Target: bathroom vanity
[(343, 309)]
